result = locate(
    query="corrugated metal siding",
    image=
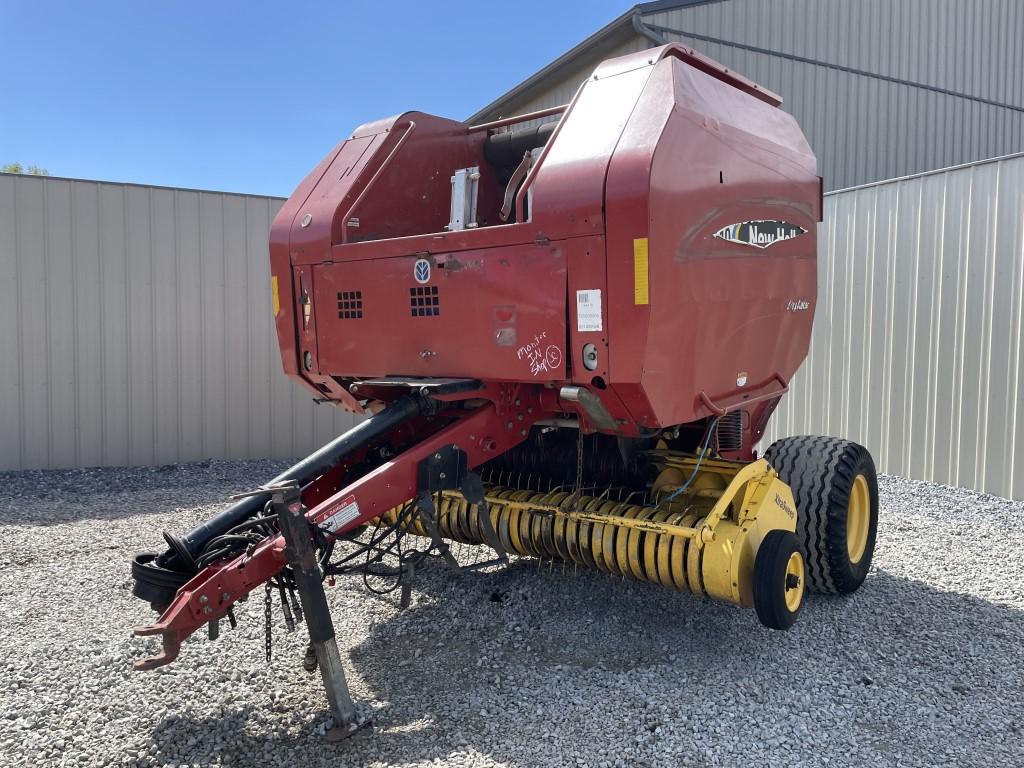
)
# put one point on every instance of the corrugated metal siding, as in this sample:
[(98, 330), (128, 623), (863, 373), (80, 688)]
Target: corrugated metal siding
[(560, 90), (917, 344), (968, 46), (135, 328), (863, 128)]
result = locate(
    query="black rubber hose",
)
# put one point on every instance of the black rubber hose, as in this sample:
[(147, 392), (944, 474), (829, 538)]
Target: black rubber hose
[(305, 471), (506, 149)]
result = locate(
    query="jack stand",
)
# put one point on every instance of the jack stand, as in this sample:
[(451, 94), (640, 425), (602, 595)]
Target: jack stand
[(410, 574), (286, 502)]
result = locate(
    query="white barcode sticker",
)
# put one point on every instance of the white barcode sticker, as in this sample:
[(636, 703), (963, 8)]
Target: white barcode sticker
[(341, 514), (588, 310)]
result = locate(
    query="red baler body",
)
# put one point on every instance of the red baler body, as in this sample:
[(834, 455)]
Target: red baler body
[(658, 152)]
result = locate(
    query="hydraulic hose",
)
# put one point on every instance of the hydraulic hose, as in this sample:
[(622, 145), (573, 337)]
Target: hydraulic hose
[(157, 578), (306, 470)]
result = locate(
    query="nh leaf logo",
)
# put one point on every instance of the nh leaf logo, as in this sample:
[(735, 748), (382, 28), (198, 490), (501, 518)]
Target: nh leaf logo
[(421, 271)]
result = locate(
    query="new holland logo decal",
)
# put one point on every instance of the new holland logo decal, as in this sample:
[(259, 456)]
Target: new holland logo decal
[(760, 234), (421, 271)]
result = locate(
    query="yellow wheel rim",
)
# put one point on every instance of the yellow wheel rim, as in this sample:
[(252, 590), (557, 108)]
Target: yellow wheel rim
[(858, 518), (794, 581)]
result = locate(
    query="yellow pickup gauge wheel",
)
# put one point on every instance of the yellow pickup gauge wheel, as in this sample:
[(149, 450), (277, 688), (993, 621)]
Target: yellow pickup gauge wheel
[(779, 580), (836, 493), (795, 581)]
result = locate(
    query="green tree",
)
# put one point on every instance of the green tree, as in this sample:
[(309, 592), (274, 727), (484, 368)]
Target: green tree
[(32, 170)]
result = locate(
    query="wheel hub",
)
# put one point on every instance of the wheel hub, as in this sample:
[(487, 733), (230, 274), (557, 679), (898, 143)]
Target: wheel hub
[(794, 581), (858, 515)]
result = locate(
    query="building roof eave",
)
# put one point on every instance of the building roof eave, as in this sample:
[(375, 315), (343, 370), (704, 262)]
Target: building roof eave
[(607, 32), (632, 19)]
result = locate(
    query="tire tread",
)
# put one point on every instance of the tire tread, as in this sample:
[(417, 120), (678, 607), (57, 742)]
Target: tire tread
[(820, 471)]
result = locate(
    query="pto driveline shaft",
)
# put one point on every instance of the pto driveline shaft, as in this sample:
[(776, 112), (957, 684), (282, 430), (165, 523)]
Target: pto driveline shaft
[(304, 472)]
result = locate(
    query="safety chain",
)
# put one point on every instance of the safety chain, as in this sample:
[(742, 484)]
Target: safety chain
[(579, 468), (267, 605)]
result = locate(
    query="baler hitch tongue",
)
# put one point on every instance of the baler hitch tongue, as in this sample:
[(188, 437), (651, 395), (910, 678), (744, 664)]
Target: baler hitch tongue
[(172, 638), (169, 652)]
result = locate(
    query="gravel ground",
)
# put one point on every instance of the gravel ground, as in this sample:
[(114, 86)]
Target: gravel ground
[(523, 666)]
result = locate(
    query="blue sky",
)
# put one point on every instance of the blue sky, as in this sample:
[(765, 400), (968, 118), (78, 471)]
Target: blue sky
[(249, 96)]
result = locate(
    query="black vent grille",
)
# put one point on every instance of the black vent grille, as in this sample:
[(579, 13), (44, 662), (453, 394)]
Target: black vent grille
[(424, 301), (350, 305)]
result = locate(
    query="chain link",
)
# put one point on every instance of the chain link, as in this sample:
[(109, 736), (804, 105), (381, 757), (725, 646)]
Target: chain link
[(578, 491), (267, 606)]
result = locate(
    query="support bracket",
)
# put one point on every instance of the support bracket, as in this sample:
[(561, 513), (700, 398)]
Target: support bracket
[(447, 470), (286, 502)]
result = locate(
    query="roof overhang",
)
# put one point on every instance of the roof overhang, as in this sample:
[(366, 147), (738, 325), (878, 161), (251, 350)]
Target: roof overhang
[(619, 30)]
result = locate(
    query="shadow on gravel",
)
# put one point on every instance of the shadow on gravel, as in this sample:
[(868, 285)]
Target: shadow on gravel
[(54, 497), (529, 666), (583, 641)]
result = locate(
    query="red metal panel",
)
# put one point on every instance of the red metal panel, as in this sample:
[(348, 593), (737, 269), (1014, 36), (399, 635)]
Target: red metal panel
[(568, 194), (628, 194), (353, 165), (721, 317), (281, 262), (500, 315), (588, 286)]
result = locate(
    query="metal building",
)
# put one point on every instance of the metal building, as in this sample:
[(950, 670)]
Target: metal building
[(123, 341), (917, 350), (881, 88)]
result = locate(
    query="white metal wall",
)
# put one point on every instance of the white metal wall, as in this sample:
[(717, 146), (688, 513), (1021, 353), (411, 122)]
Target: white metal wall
[(917, 344), (564, 85), (135, 328)]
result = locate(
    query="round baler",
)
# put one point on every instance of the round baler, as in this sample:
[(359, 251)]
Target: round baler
[(568, 331)]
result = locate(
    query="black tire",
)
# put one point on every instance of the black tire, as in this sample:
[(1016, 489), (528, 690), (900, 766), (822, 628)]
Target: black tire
[(822, 472), (772, 581)]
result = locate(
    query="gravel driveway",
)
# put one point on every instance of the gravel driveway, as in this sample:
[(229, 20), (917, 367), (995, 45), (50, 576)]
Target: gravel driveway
[(525, 666)]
